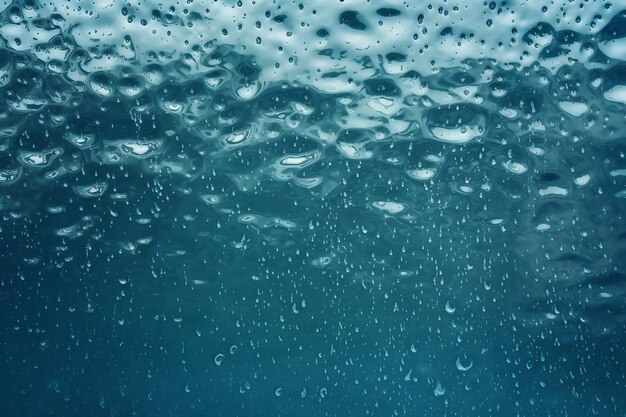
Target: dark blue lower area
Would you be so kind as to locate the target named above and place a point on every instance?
(121, 335)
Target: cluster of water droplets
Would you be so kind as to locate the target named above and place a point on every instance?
(404, 151)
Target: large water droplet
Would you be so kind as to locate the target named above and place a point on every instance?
(219, 358)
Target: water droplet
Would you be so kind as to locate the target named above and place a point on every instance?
(41, 159)
(515, 167)
(9, 176)
(616, 94)
(422, 174)
(102, 84)
(463, 365)
(81, 141)
(390, 207)
(439, 390)
(91, 190)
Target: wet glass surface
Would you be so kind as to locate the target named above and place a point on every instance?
(338, 208)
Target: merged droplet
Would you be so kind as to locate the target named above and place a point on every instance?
(91, 190)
